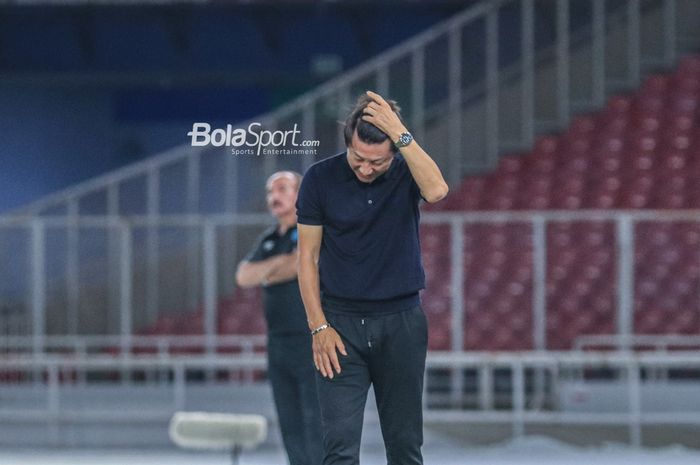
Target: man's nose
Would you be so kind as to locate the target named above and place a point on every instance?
(365, 170)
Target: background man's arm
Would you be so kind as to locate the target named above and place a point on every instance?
(269, 271)
(287, 269)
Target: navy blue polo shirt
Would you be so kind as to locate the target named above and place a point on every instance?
(284, 309)
(370, 252)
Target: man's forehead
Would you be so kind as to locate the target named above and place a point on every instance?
(280, 176)
(370, 155)
(371, 152)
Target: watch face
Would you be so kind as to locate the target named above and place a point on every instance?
(405, 139)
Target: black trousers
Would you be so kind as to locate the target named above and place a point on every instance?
(291, 373)
(388, 352)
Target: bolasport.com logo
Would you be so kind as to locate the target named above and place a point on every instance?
(253, 140)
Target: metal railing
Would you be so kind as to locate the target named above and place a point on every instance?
(658, 342)
(111, 295)
(49, 376)
(629, 365)
(163, 346)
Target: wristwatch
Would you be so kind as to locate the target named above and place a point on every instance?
(404, 139)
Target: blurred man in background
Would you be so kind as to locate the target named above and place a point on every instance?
(272, 264)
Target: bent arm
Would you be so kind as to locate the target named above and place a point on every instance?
(251, 274)
(425, 171)
(309, 281)
(286, 271)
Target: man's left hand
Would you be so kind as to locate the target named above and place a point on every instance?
(379, 113)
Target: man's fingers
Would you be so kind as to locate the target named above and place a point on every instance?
(376, 97)
(334, 361)
(326, 356)
(318, 363)
(326, 368)
(320, 366)
(341, 347)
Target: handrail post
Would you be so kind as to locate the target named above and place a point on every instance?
(193, 197)
(231, 207)
(598, 52)
(309, 131)
(486, 383)
(179, 381)
(454, 128)
(112, 235)
(527, 94)
(53, 402)
(518, 386)
(38, 261)
(633, 42)
(635, 402)
(125, 287)
(457, 307)
(383, 80)
(343, 107)
(670, 32)
(418, 92)
(563, 64)
(625, 275)
(270, 162)
(72, 267)
(210, 284)
(539, 281)
(492, 88)
(152, 241)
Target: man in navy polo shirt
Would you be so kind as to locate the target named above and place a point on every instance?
(360, 272)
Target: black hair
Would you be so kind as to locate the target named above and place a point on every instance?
(366, 131)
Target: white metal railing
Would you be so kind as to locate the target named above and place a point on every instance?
(629, 364)
(630, 367)
(163, 346)
(126, 268)
(658, 342)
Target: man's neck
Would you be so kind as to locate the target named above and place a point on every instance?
(286, 222)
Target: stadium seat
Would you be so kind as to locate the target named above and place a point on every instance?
(641, 151)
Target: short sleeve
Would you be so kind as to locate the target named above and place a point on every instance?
(309, 209)
(416, 196)
(256, 254)
(415, 191)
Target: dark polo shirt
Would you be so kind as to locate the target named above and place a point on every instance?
(370, 259)
(284, 309)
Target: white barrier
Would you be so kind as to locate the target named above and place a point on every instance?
(219, 431)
